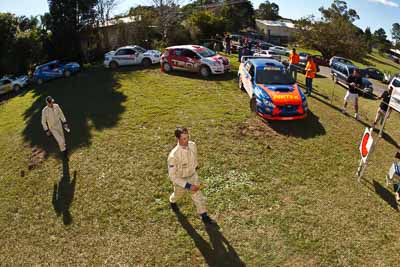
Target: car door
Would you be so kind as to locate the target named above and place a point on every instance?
(178, 59)
(124, 57)
(342, 74)
(50, 71)
(248, 79)
(192, 60)
(5, 86)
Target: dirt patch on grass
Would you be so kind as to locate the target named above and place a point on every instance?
(36, 158)
(255, 127)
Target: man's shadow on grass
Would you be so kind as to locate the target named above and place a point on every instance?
(219, 252)
(63, 194)
(90, 100)
(384, 193)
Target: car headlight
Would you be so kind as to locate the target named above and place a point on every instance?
(268, 103)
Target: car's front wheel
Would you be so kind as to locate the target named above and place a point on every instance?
(253, 104)
(40, 81)
(167, 67)
(16, 88)
(113, 65)
(205, 71)
(67, 73)
(146, 62)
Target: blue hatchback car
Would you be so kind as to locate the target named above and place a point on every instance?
(274, 95)
(54, 69)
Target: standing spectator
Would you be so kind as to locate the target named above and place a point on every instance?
(355, 82)
(383, 107)
(294, 59)
(311, 69)
(228, 44)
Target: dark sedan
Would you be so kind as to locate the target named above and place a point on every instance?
(372, 73)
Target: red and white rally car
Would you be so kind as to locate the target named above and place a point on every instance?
(194, 58)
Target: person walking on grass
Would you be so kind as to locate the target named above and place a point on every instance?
(383, 107)
(294, 59)
(54, 123)
(311, 69)
(354, 84)
(182, 166)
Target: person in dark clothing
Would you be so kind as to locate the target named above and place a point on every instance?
(355, 82)
(228, 44)
(383, 107)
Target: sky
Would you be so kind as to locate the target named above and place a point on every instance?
(373, 13)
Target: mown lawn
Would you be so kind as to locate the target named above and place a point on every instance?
(283, 193)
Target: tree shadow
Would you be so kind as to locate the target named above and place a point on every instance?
(63, 194)
(306, 128)
(128, 69)
(90, 100)
(196, 76)
(219, 252)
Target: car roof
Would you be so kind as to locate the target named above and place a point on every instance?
(49, 63)
(191, 47)
(128, 47)
(345, 64)
(260, 62)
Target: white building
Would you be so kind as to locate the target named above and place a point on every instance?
(279, 31)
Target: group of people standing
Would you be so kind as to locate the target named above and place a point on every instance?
(311, 69)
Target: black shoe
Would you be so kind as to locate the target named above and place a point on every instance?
(208, 221)
(174, 207)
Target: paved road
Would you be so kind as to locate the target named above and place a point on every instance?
(379, 87)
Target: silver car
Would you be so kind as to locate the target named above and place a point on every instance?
(8, 84)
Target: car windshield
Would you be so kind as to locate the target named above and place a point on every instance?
(206, 52)
(303, 54)
(140, 49)
(273, 75)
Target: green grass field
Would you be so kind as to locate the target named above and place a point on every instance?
(283, 193)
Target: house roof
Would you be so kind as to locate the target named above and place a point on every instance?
(277, 23)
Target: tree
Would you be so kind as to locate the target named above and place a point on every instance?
(167, 15)
(368, 39)
(238, 16)
(104, 8)
(339, 9)
(8, 30)
(380, 40)
(268, 11)
(334, 34)
(68, 19)
(204, 24)
(396, 33)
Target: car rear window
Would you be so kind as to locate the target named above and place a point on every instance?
(273, 75)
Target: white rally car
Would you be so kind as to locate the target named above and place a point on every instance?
(8, 84)
(131, 55)
(268, 54)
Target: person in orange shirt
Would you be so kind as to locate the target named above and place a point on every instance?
(294, 59)
(311, 69)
